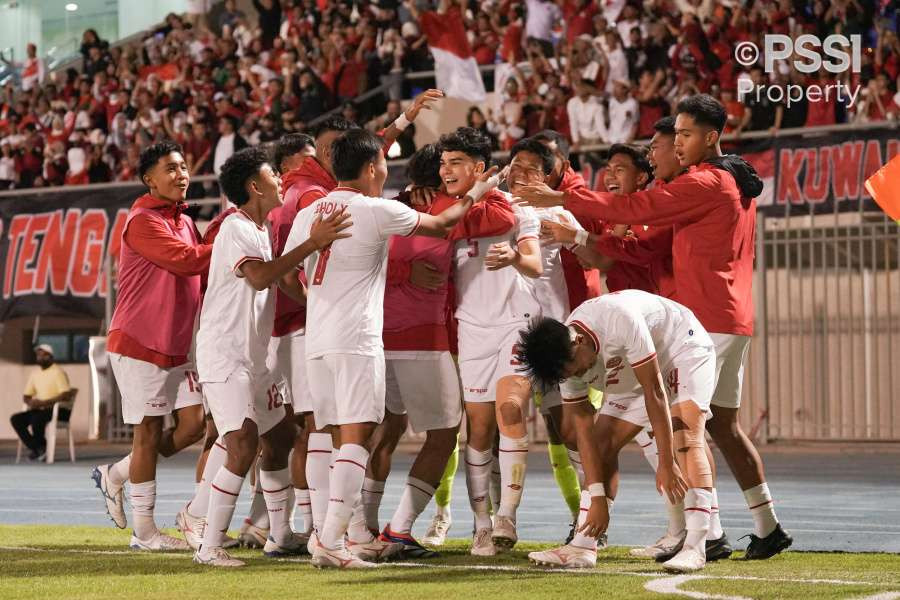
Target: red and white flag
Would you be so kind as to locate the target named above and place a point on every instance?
(456, 71)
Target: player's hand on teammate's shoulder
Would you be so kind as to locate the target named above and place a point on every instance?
(485, 182)
(324, 231)
(539, 195)
(422, 196)
(555, 231)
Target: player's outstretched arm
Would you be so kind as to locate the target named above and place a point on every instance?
(291, 285)
(440, 225)
(668, 476)
(423, 101)
(262, 274)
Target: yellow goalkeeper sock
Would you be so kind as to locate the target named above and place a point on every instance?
(566, 477)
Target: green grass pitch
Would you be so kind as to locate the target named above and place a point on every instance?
(92, 562)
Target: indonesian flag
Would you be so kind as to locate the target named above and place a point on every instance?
(456, 71)
(884, 186)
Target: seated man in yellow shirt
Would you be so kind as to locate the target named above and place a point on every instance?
(46, 386)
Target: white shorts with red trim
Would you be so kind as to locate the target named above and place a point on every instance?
(425, 387)
(260, 398)
(486, 355)
(689, 375)
(151, 391)
(731, 355)
(287, 356)
(550, 399)
(346, 388)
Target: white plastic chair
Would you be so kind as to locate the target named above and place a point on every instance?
(51, 430)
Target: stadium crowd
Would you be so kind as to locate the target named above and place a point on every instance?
(598, 72)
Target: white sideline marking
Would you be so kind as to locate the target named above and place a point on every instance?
(669, 585)
(882, 596)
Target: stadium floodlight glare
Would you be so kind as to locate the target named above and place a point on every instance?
(71, 7)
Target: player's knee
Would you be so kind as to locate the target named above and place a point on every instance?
(513, 392)
(690, 446)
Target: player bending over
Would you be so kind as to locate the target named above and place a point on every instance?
(656, 365)
(345, 310)
(246, 399)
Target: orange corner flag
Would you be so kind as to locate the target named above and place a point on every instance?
(884, 186)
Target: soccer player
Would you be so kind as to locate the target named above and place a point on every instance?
(648, 353)
(159, 266)
(495, 298)
(422, 383)
(344, 349)
(712, 210)
(246, 399)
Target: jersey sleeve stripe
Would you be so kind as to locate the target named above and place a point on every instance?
(590, 332)
(244, 259)
(416, 228)
(574, 400)
(643, 361)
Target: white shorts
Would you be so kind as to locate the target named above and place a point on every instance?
(287, 356)
(486, 355)
(731, 355)
(550, 399)
(689, 375)
(260, 398)
(426, 388)
(151, 391)
(346, 388)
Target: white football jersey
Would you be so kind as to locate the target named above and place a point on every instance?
(551, 288)
(630, 328)
(495, 298)
(345, 298)
(235, 320)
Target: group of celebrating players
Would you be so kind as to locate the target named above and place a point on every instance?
(314, 321)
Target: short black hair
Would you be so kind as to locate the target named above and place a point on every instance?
(665, 126)
(151, 155)
(470, 142)
(637, 154)
(352, 151)
(290, 145)
(423, 168)
(544, 349)
(238, 169)
(705, 110)
(548, 136)
(537, 148)
(333, 123)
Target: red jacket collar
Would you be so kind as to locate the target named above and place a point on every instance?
(170, 210)
(312, 170)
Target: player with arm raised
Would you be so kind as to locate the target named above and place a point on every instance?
(656, 364)
(713, 214)
(345, 310)
(246, 399)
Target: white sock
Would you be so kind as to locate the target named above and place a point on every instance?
(372, 492)
(358, 530)
(443, 511)
(575, 459)
(318, 463)
(303, 505)
(581, 540)
(118, 472)
(676, 517)
(226, 487)
(496, 481)
(648, 447)
(215, 460)
(759, 501)
(346, 488)
(259, 514)
(143, 499)
(715, 524)
(415, 498)
(276, 486)
(513, 462)
(478, 475)
(697, 502)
